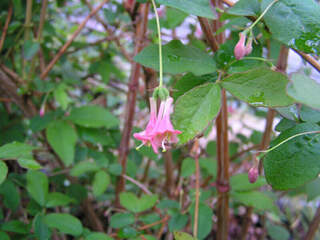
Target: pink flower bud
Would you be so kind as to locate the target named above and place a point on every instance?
(249, 46)
(42, 110)
(240, 49)
(253, 174)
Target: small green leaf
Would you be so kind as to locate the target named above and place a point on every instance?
(240, 183)
(245, 8)
(131, 202)
(188, 167)
(28, 162)
(93, 116)
(98, 236)
(65, 223)
(177, 58)
(177, 221)
(304, 90)
(204, 219)
(38, 186)
(120, 220)
(296, 161)
(56, 199)
(100, 183)
(41, 229)
(62, 138)
(83, 167)
(15, 226)
(3, 171)
(258, 200)
(260, 87)
(11, 196)
(195, 109)
(15, 150)
(277, 232)
(183, 236)
(4, 236)
(199, 8)
(61, 96)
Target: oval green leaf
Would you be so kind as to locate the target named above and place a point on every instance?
(65, 223)
(195, 109)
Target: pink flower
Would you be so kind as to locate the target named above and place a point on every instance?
(240, 49)
(159, 130)
(253, 174)
(42, 110)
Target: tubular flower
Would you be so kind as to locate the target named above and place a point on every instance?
(248, 46)
(240, 49)
(159, 130)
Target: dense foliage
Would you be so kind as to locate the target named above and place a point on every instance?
(241, 159)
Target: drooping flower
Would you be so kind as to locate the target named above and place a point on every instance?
(42, 110)
(145, 136)
(240, 49)
(159, 130)
(253, 174)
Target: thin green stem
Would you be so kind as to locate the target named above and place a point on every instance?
(160, 44)
(260, 17)
(286, 140)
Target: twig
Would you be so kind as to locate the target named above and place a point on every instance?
(5, 28)
(309, 59)
(165, 219)
(239, 154)
(131, 97)
(68, 43)
(12, 74)
(140, 185)
(169, 183)
(206, 28)
(314, 226)
(112, 35)
(42, 19)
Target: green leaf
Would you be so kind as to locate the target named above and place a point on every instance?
(277, 232)
(295, 23)
(62, 138)
(174, 18)
(245, 8)
(312, 189)
(10, 194)
(98, 236)
(83, 167)
(304, 90)
(15, 150)
(120, 220)
(189, 81)
(56, 199)
(204, 219)
(4, 236)
(295, 162)
(182, 236)
(240, 183)
(93, 116)
(260, 87)
(131, 202)
(30, 48)
(188, 167)
(61, 96)
(258, 200)
(195, 109)
(41, 229)
(177, 58)
(38, 186)
(65, 223)
(201, 8)
(3, 171)
(308, 114)
(15, 226)
(100, 183)
(28, 162)
(177, 221)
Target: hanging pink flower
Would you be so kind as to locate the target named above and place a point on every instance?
(159, 130)
(240, 49)
(248, 46)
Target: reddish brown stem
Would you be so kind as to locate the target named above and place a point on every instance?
(5, 28)
(314, 226)
(207, 30)
(68, 43)
(131, 97)
(169, 184)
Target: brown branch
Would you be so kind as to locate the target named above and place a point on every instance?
(68, 43)
(5, 28)
(131, 97)
(42, 19)
(12, 74)
(94, 221)
(239, 154)
(164, 220)
(314, 226)
(209, 34)
(140, 185)
(309, 59)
